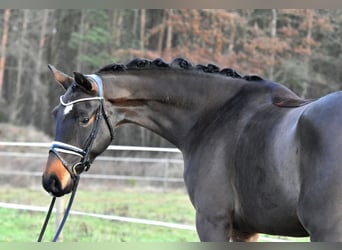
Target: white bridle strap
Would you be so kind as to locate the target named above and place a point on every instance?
(67, 148)
(99, 83)
(79, 100)
(65, 151)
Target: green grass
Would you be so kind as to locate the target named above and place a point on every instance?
(24, 226)
(20, 226)
(173, 206)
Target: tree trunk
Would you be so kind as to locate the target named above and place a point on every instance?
(15, 104)
(161, 34)
(273, 36)
(168, 45)
(38, 90)
(80, 47)
(232, 38)
(307, 56)
(7, 14)
(116, 31)
(135, 27)
(142, 28)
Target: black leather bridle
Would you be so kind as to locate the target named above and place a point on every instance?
(75, 170)
(61, 147)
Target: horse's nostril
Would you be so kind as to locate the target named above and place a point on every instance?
(52, 184)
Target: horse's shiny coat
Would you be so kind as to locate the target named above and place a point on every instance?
(257, 158)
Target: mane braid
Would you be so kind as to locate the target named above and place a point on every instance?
(178, 63)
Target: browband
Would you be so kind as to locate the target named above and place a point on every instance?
(99, 83)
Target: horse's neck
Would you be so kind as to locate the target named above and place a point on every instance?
(167, 103)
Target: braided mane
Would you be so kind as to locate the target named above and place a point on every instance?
(178, 63)
(281, 96)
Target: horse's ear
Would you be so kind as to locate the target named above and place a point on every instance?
(84, 82)
(60, 77)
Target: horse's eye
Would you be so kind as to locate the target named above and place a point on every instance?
(84, 120)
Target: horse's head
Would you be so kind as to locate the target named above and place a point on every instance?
(82, 131)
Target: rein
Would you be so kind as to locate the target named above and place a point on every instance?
(66, 214)
(75, 171)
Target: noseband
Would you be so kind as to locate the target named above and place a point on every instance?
(58, 147)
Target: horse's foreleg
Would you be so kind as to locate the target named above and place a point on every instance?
(212, 196)
(320, 207)
(321, 218)
(213, 228)
(240, 236)
(217, 229)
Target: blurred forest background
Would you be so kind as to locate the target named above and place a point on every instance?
(301, 49)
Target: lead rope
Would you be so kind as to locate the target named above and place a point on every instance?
(66, 213)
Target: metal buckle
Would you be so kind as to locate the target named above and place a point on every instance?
(74, 168)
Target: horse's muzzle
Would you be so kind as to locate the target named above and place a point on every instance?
(56, 179)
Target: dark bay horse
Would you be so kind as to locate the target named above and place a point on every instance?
(257, 158)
